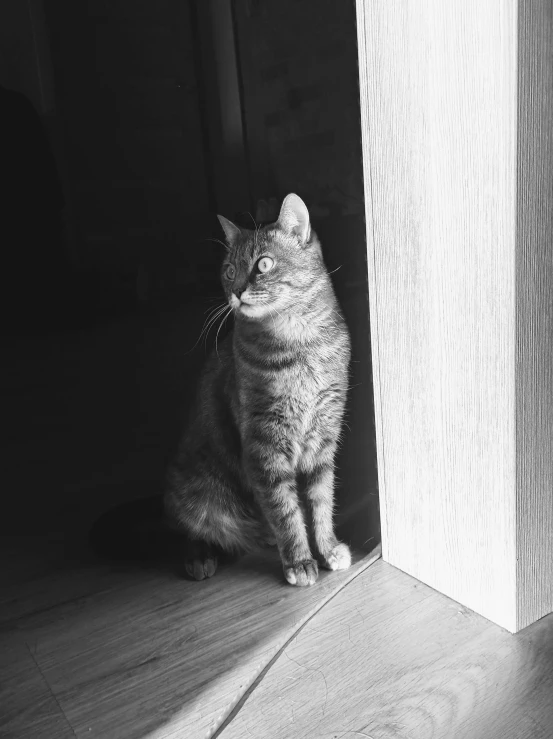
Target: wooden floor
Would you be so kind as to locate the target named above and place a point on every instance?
(103, 653)
(366, 653)
(390, 657)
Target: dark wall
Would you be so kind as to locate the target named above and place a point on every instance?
(132, 88)
(127, 92)
(301, 100)
(33, 245)
(24, 64)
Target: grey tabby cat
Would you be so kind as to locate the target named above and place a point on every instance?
(257, 460)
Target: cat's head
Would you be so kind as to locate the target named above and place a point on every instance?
(272, 269)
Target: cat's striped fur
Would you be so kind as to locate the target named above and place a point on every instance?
(257, 459)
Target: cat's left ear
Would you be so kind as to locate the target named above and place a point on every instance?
(294, 218)
(232, 232)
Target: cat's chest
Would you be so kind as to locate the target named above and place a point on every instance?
(289, 378)
(295, 388)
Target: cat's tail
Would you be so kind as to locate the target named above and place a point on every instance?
(135, 532)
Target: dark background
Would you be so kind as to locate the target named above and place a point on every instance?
(155, 115)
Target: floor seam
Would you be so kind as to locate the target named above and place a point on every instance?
(237, 707)
(54, 696)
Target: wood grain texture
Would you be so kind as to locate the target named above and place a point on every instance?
(28, 707)
(391, 658)
(462, 365)
(534, 312)
(145, 654)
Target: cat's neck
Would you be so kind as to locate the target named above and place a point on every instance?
(292, 327)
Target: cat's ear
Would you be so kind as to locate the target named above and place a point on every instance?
(294, 218)
(232, 232)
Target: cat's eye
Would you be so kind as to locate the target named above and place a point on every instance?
(230, 272)
(265, 264)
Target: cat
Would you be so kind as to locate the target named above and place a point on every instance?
(255, 465)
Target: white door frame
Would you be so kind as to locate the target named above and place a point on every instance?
(457, 124)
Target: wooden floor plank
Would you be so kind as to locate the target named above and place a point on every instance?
(390, 657)
(27, 706)
(163, 657)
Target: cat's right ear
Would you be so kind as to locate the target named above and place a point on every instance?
(232, 232)
(294, 218)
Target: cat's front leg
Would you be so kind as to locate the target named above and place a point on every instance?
(319, 491)
(273, 481)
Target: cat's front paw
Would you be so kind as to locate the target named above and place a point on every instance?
(301, 573)
(338, 558)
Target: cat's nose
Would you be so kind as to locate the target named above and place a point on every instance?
(239, 290)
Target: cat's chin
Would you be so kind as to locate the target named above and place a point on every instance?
(249, 310)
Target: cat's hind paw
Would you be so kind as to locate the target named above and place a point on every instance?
(339, 558)
(302, 573)
(200, 560)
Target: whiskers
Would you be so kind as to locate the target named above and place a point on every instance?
(271, 310)
(223, 319)
(218, 241)
(255, 227)
(219, 312)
